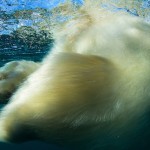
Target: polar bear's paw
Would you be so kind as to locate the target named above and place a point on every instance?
(12, 75)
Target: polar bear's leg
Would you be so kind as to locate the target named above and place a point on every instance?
(72, 91)
(12, 74)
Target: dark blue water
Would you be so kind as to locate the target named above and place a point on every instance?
(29, 145)
(12, 48)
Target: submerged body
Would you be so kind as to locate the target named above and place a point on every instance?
(93, 88)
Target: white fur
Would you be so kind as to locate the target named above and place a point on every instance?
(98, 73)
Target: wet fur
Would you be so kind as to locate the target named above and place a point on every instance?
(93, 86)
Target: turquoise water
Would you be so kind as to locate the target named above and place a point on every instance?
(29, 145)
(11, 49)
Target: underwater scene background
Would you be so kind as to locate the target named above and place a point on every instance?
(24, 35)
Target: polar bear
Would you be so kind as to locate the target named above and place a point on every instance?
(90, 92)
